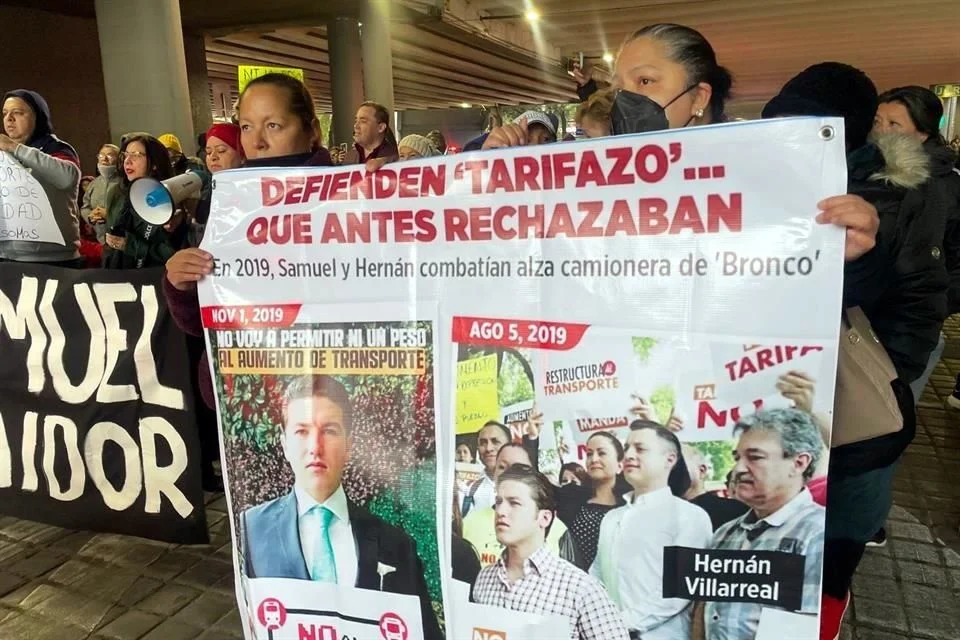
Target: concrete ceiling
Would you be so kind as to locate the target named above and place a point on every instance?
(439, 61)
(485, 51)
(437, 64)
(765, 42)
(447, 52)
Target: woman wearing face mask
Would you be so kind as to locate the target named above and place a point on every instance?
(28, 136)
(94, 209)
(668, 77)
(132, 242)
(916, 112)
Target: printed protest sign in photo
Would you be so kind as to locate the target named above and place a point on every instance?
(615, 329)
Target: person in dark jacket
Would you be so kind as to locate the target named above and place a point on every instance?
(28, 136)
(132, 242)
(374, 143)
(901, 286)
(916, 112)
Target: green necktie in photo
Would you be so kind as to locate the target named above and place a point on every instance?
(324, 567)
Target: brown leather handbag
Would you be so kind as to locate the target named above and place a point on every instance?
(865, 405)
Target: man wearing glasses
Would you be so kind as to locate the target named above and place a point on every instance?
(94, 200)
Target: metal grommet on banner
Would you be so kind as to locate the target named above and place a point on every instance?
(854, 338)
(827, 133)
(935, 252)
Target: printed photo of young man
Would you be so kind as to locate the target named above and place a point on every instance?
(315, 532)
(531, 579)
(630, 554)
(776, 454)
(479, 526)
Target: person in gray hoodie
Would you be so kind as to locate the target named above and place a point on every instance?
(28, 136)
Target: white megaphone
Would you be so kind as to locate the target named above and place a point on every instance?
(156, 202)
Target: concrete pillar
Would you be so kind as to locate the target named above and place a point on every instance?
(951, 123)
(377, 57)
(346, 76)
(195, 52)
(144, 68)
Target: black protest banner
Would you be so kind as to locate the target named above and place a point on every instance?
(97, 429)
(772, 578)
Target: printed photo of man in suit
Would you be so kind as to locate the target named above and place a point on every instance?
(315, 532)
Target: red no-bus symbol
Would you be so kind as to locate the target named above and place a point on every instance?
(272, 614)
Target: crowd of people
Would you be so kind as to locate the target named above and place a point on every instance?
(902, 269)
(602, 516)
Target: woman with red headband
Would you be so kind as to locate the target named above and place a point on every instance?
(223, 150)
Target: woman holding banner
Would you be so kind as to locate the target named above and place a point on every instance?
(278, 128)
(667, 77)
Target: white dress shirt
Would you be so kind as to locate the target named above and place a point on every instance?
(629, 560)
(484, 496)
(341, 534)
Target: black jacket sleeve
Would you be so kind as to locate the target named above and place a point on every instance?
(951, 242)
(532, 447)
(865, 278)
(587, 90)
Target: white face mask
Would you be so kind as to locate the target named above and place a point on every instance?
(108, 171)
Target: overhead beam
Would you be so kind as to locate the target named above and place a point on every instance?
(469, 62)
(214, 18)
(261, 57)
(839, 17)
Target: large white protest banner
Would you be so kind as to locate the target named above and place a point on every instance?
(574, 308)
(25, 212)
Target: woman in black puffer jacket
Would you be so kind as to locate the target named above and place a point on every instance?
(916, 112)
(901, 285)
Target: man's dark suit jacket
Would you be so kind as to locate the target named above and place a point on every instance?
(270, 537)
